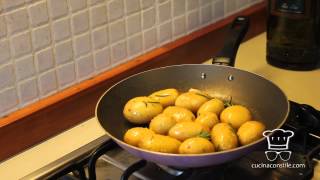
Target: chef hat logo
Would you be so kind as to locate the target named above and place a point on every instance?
(278, 139)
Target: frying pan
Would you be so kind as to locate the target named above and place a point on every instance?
(264, 99)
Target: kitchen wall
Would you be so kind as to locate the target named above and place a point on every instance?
(49, 45)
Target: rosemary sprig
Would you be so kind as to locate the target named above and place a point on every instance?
(151, 102)
(228, 103)
(162, 95)
(205, 135)
(154, 102)
(203, 95)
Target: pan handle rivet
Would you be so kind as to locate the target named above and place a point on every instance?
(203, 75)
(230, 78)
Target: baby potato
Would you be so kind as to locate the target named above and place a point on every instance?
(166, 97)
(196, 145)
(140, 110)
(250, 131)
(185, 130)
(214, 105)
(179, 114)
(160, 143)
(161, 124)
(134, 135)
(235, 115)
(191, 101)
(208, 119)
(223, 137)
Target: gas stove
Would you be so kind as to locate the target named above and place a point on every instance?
(103, 159)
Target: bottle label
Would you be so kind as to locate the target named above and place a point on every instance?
(291, 6)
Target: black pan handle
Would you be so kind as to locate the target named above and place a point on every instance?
(237, 32)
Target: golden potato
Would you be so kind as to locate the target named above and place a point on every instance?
(214, 105)
(185, 130)
(191, 101)
(140, 110)
(250, 131)
(161, 124)
(196, 145)
(134, 135)
(179, 114)
(208, 119)
(166, 97)
(223, 137)
(160, 143)
(235, 115)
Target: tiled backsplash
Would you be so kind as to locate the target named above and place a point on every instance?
(48, 45)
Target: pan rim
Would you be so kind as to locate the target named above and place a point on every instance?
(118, 141)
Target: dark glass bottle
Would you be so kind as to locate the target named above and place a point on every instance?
(293, 33)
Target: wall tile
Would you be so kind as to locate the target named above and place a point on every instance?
(8, 99)
(4, 52)
(63, 52)
(66, 74)
(119, 52)
(21, 44)
(80, 22)
(17, 21)
(7, 76)
(57, 8)
(98, 15)
(3, 27)
(134, 24)
(242, 3)
(93, 2)
(9, 4)
(165, 32)
(115, 9)
(161, 1)
(218, 9)
(76, 5)
(193, 20)
(179, 7)
(192, 4)
(25, 68)
(99, 38)
(85, 67)
(102, 59)
(44, 60)
(48, 83)
(147, 3)
(38, 14)
(49, 45)
(41, 37)
(61, 29)
(149, 18)
(82, 45)
(164, 12)
(28, 91)
(179, 26)
(205, 2)
(117, 31)
(230, 6)
(206, 14)
(132, 6)
(135, 45)
(150, 39)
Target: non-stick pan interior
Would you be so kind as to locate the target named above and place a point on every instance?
(263, 98)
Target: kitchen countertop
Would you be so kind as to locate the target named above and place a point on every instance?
(299, 86)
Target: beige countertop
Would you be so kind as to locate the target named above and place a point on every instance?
(302, 87)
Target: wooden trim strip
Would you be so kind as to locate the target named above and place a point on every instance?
(41, 104)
